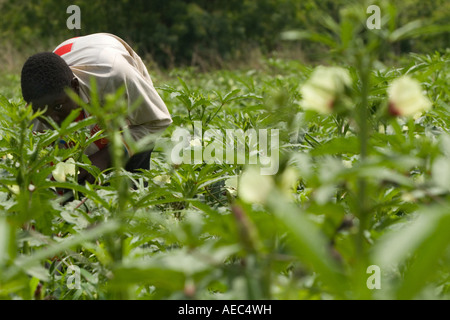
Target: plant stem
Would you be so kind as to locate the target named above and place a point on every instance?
(364, 70)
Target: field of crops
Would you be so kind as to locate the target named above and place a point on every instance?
(335, 185)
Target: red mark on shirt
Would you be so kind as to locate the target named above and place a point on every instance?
(64, 49)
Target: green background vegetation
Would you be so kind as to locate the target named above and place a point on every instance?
(199, 32)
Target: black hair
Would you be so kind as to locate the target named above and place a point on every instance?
(43, 74)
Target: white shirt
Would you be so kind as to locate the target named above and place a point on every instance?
(113, 63)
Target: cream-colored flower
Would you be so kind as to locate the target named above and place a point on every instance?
(320, 92)
(254, 187)
(406, 97)
(161, 179)
(195, 142)
(231, 184)
(8, 156)
(14, 189)
(289, 180)
(347, 163)
(64, 169)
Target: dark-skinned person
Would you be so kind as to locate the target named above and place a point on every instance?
(112, 63)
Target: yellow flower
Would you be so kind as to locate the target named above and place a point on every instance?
(195, 142)
(231, 185)
(64, 169)
(14, 189)
(289, 180)
(161, 179)
(322, 89)
(406, 97)
(254, 187)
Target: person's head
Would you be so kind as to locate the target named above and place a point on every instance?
(44, 79)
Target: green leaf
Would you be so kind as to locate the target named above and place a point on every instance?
(415, 29)
(417, 247)
(76, 187)
(186, 88)
(70, 118)
(340, 145)
(308, 243)
(29, 263)
(7, 243)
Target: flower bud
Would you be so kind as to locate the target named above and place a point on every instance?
(254, 187)
(63, 169)
(161, 179)
(406, 97)
(323, 88)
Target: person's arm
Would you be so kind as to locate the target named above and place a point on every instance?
(101, 159)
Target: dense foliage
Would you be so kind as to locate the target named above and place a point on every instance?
(202, 31)
(363, 185)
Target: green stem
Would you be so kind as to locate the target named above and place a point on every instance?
(365, 67)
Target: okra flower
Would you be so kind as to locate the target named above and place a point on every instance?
(288, 180)
(254, 187)
(195, 142)
(323, 88)
(64, 169)
(161, 179)
(406, 97)
(231, 185)
(14, 189)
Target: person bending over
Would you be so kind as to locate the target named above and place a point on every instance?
(112, 63)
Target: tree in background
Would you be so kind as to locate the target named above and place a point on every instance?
(178, 32)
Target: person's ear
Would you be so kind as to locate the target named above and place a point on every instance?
(75, 85)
